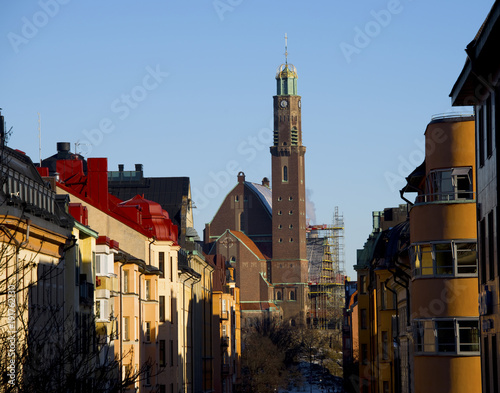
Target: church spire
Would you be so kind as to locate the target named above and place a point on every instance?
(286, 76)
(286, 49)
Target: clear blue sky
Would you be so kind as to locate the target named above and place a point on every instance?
(185, 88)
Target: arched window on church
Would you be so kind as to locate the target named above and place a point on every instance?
(285, 173)
(292, 295)
(278, 295)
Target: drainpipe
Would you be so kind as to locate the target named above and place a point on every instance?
(121, 322)
(395, 294)
(195, 281)
(140, 320)
(153, 239)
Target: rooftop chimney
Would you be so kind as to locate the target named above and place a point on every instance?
(2, 130)
(63, 150)
(265, 182)
(138, 167)
(120, 167)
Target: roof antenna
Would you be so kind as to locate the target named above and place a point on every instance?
(40, 138)
(286, 49)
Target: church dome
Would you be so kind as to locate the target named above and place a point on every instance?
(286, 71)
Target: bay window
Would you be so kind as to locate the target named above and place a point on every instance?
(444, 258)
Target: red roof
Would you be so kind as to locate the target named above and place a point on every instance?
(144, 216)
(249, 243)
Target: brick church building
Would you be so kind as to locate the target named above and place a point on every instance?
(261, 231)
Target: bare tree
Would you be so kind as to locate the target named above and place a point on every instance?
(43, 348)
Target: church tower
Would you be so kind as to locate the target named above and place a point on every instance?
(289, 266)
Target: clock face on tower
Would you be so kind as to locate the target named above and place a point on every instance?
(284, 103)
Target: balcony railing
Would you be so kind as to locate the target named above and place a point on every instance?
(456, 196)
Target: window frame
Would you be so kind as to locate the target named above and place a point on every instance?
(436, 184)
(429, 336)
(431, 249)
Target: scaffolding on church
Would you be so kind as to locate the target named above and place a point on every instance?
(325, 252)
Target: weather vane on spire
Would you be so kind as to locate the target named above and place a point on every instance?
(286, 49)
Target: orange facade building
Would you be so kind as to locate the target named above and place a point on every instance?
(443, 294)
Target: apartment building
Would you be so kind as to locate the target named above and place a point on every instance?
(478, 86)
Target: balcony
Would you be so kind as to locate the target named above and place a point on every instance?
(449, 197)
(86, 291)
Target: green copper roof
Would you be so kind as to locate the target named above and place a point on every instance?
(286, 80)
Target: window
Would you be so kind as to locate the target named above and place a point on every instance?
(364, 320)
(285, 173)
(101, 309)
(126, 326)
(292, 294)
(125, 281)
(486, 368)
(291, 240)
(482, 249)
(290, 212)
(449, 185)
(278, 295)
(148, 289)
(491, 246)
(236, 198)
(242, 222)
(362, 284)
(480, 133)
(171, 269)
(98, 269)
(224, 309)
(162, 308)
(489, 126)
(163, 353)
(161, 263)
(148, 331)
(445, 336)
(172, 308)
(290, 226)
(385, 345)
(280, 240)
(448, 258)
(364, 353)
